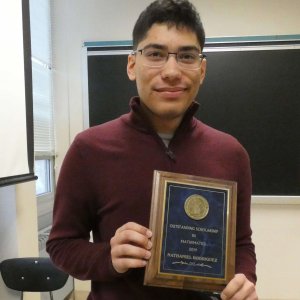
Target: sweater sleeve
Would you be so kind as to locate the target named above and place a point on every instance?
(69, 243)
(245, 250)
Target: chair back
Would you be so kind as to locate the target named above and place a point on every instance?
(32, 274)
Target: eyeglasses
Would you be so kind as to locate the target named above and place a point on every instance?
(157, 58)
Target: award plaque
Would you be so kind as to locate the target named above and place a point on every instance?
(193, 221)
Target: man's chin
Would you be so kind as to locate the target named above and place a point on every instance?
(169, 114)
(166, 111)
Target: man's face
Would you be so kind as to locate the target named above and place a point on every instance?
(168, 91)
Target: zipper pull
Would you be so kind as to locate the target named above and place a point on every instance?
(170, 154)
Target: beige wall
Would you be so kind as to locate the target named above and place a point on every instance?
(276, 226)
(27, 225)
(276, 235)
(19, 233)
(255, 17)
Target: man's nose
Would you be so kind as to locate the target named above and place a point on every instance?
(171, 69)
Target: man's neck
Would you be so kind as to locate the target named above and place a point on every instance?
(160, 125)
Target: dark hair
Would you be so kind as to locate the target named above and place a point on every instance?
(179, 13)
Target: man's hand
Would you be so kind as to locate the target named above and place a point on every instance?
(130, 247)
(239, 288)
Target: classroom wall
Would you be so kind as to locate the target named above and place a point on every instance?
(8, 231)
(275, 226)
(18, 228)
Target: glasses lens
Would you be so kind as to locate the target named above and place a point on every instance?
(189, 59)
(154, 57)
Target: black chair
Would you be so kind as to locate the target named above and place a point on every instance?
(32, 274)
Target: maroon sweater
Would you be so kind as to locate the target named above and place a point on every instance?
(106, 181)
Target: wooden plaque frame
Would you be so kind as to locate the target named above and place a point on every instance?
(155, 273)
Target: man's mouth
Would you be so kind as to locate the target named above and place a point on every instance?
(169, 89)
(170, 92)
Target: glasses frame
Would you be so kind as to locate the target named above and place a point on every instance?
(201, 56)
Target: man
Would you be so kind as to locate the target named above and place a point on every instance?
(105, 182)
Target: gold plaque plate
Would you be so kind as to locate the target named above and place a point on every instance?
(196, 207)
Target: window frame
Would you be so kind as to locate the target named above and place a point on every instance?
(45, 201)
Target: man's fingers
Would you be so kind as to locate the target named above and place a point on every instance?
(122, 265)
(135, 227)
(239, 288)
(130, 247)
(132, 233)
(126, 250)
(128, 256)
(233, 286)
(131, 237)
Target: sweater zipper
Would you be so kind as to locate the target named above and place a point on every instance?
(170, 154)
(166, 149)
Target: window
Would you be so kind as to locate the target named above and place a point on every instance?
(44, 147)
(43, 168)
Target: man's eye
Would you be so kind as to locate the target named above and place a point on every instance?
(187, 57)
(154, 54)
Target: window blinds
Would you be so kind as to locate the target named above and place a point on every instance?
(40, 18)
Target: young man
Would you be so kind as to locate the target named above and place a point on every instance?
(105, 182)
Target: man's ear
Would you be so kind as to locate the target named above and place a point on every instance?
(131, 67)
(203, 70)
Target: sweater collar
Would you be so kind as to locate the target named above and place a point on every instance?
(139, 120)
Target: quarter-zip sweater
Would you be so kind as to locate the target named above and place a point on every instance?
(106, 181)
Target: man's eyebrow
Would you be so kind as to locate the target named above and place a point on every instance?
(156, 46)
(163, 47)
(189, 48)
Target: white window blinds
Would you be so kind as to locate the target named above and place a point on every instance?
(40, 17)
